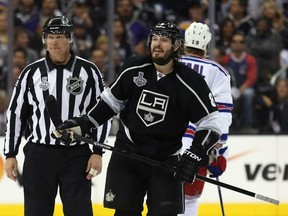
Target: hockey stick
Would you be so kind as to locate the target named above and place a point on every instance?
(220, 197)
(51, 104)
(214, 159)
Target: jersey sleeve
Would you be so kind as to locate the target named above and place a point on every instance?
(204, 113)
(17, 116)
(221, 90)
(102, 131)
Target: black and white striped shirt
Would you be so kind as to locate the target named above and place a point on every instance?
(76, 87)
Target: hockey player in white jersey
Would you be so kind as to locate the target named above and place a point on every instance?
(197, 38)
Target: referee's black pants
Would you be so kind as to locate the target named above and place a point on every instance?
(47, 168)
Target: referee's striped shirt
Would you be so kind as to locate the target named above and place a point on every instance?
(76, 87)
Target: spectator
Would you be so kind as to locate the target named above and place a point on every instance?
(121, 45)
(3, 38)
(265, 46)
(81, 13)
(222, 9)
(136, 29)
(279, 120)
(20, 57)
(225, 33)
(217, 55)
(283, 71)
(238, 13)
(15, 5)
(3, 108)
(102, 43)
(151, 12)
(274, 14)
(284, 53)
(82, 39)
(255, 7)
(28, 13)
(16, 71)
(196, 13)
(273, 103)
(98, 13)
(243, 69)
(99, 59)
(19, 61)
(22, 40)
(48, 9)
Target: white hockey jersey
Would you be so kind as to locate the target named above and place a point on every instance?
(218, 80)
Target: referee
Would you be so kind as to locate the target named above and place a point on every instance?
(76, 84)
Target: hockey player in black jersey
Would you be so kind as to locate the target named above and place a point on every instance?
(156, 97)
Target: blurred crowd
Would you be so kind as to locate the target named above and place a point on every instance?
(251, 41)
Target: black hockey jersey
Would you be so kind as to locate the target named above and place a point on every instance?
(155, 113)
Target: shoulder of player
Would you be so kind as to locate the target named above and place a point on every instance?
(85, 62)
(34, 66)
(212, 65)
(187, 75)
(136, 64)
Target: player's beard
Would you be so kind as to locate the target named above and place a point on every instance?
(162, 60)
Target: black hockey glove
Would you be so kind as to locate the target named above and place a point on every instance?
(190, 162)
(79, 125)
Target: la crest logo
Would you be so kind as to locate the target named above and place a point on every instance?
(152, 107)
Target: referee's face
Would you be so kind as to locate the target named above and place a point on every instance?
(58, 46)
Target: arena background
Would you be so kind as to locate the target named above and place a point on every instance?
(256, 163)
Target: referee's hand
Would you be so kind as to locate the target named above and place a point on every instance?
(11, 168)
(94, 166)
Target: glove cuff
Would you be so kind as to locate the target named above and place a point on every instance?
(85, 124)
(198, 156)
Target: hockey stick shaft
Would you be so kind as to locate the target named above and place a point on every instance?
(220, 197)
(214, 159)
(173, 169)
(55, 117)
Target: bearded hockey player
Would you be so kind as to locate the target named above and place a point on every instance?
(156, 96)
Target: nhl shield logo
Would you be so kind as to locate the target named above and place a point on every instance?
(152, 107)
(74, 85)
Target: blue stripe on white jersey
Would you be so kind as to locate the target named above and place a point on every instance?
(224, 107)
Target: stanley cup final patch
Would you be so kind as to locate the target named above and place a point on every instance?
(140, 80)
(74, 85)
(44, 85)
(152, 107)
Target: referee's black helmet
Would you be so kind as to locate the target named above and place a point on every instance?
(58, 25)
(166, 29)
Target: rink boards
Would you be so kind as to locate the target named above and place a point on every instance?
(256, 163)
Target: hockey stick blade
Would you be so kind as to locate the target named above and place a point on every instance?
(51, 104)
